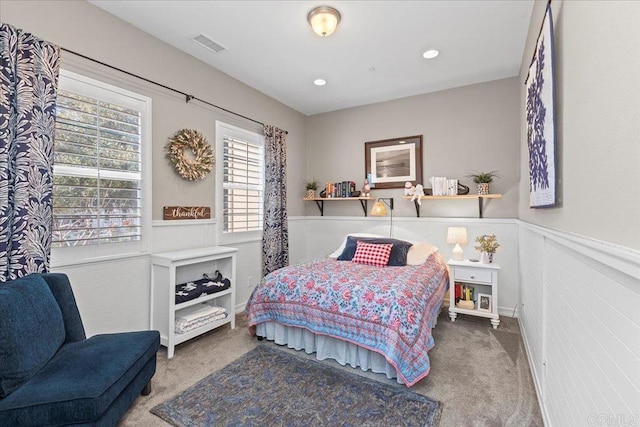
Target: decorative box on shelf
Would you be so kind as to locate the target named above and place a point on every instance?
(481, 284)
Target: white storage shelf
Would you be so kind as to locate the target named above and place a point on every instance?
(484, 278)
(172, 268)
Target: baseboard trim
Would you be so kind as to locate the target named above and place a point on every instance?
(508, 311)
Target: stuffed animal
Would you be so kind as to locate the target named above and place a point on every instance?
(409, 188)
(366, 189)
(417, 194)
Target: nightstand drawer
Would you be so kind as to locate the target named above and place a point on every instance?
(475, 274)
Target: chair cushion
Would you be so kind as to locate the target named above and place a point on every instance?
(31, 330)
(79, 384)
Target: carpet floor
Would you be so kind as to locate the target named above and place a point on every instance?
(480, 375)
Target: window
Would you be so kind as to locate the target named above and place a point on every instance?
(98, 164)
(242, 176)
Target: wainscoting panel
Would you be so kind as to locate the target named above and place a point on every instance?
(532, 292)
(113, 295)
(589, 339)
(169, 236)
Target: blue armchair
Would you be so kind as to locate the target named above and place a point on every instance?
(51, 374)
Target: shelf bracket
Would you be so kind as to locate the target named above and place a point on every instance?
(320, 204)
(415, 202)
(363, 203)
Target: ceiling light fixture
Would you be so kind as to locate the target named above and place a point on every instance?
(319, 82)
(430, 54)
(324, 20)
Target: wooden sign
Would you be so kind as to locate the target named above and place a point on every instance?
(186, 212)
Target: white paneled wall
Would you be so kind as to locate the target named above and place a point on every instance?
(112, 296)
(531, 291)
(169, 236)
(581, 324)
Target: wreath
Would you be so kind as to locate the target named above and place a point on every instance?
(191, 169)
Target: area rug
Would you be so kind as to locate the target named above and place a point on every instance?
(268, 387)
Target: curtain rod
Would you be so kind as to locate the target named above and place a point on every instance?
(187, 96)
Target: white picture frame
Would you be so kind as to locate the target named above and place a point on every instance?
(484, 303)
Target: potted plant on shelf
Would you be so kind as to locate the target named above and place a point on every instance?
(483, 179)
(311, 187)
(487, 246)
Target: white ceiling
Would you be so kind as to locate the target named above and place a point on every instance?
(375, 54)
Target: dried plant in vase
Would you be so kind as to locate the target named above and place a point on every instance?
(487, 244)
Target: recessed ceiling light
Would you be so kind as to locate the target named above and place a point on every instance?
(319, 82)
(430, 54)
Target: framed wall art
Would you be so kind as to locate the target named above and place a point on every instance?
(540, 120)
(392, 162)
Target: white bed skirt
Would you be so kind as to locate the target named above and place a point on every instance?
(327, 348)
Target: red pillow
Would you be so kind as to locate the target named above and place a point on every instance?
(372, 254)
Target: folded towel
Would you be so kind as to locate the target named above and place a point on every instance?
(182, 326)
(198, 310)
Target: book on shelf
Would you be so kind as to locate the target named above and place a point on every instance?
(340, 189)
(443, 186)
(462, 291)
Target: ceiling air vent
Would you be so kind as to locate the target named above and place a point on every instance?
(208, 43)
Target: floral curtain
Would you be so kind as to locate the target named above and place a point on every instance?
(28, 84)
(275, 234)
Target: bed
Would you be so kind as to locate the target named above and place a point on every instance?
(378, 318)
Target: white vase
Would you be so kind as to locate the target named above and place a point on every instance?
(484, 258)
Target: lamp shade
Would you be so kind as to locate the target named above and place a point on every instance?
(457, 235)
(324, 20)
(379, 209)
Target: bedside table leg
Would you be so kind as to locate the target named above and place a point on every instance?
(495, 323)
(453, 315)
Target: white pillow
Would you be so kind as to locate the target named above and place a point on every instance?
(420, 252)
(337, 252)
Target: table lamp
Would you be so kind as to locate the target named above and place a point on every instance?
(457, 235)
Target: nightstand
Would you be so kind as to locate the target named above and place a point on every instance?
(483, 278)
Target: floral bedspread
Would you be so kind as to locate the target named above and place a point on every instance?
(390, 310)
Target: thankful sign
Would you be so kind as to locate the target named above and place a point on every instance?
(186, 212)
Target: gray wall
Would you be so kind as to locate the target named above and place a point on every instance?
(464, 129)
(81, 27)
(597, 120)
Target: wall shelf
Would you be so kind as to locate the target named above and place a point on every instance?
(480, 198)
(320, 202)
